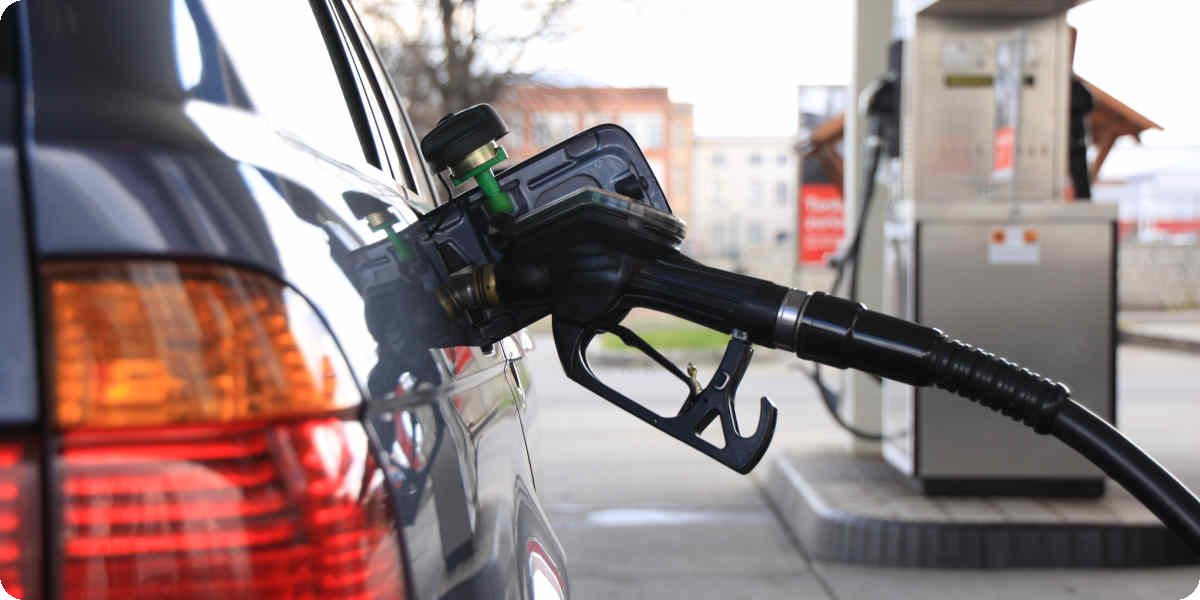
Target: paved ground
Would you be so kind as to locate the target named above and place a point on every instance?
(643, 516)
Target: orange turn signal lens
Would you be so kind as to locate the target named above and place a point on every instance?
(146, 343)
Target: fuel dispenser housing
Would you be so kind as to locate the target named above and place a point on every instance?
(983, 240)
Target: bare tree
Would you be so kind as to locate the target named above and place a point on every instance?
(442, 58)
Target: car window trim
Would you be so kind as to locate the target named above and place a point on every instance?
(334, 48)
(364, 87)
(398, 119)
(386, 128)
(352, 87)
(436, 187)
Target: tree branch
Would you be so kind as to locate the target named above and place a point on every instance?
(447, 58)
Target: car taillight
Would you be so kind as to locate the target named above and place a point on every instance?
(20, 527)
(209, 446)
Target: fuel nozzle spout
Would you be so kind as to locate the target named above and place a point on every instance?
(492, 285)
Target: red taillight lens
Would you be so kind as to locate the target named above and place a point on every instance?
(20, 527)
(207, 450)
(274, 511)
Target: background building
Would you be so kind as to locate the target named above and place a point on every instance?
(541, 116)
(744, 209)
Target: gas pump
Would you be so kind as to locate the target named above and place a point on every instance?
(983, 240)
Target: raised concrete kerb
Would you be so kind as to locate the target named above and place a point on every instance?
(1151, 339)
(847, 509)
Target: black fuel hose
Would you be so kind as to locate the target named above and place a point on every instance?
(598, 281)
(1141, 475)
(841, 333)
(844, 334)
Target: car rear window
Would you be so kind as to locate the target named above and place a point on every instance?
(283, 63)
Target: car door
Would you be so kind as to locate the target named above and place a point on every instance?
(484, 534)
(176, 134)
(244, 134)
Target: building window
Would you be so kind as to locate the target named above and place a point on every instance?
(756, 193)
(781, 193)
(718, 192)
(782, 237)
(646, 128)
(718, 159)
(756, 159)
(549, 128)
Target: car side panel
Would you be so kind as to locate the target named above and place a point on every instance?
(502, 470)
(125, 163)
(18, 373)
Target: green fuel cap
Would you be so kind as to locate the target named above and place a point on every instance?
(465, 142)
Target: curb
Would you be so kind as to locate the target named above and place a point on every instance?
(1161, 342)
(833, 529)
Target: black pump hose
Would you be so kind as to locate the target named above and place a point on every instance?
(845, 334)
(1047, 407)
(604, 281)
(1141, 475)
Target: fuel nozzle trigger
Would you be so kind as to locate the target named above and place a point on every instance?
(699, 409)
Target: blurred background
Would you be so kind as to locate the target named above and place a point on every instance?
(751, 117)
(723, 99)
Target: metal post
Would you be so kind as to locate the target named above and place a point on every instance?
(862, 399)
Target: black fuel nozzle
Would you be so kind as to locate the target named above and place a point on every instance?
(493, 285)
(593, 256)
(1082, 103)
(466, 143)
(880, 102)
(589, 258)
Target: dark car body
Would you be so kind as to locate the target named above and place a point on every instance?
(230, 133)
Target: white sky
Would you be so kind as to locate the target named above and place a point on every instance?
(740, 64)
(1143, 53)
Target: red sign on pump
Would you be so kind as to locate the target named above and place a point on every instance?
(1002, 152)
(821, 225)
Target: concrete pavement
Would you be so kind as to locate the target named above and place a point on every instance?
(643, 516)
(1167, 330)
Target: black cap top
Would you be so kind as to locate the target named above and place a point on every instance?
(460, 133)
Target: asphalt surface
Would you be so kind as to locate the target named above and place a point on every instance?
(643, 516)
